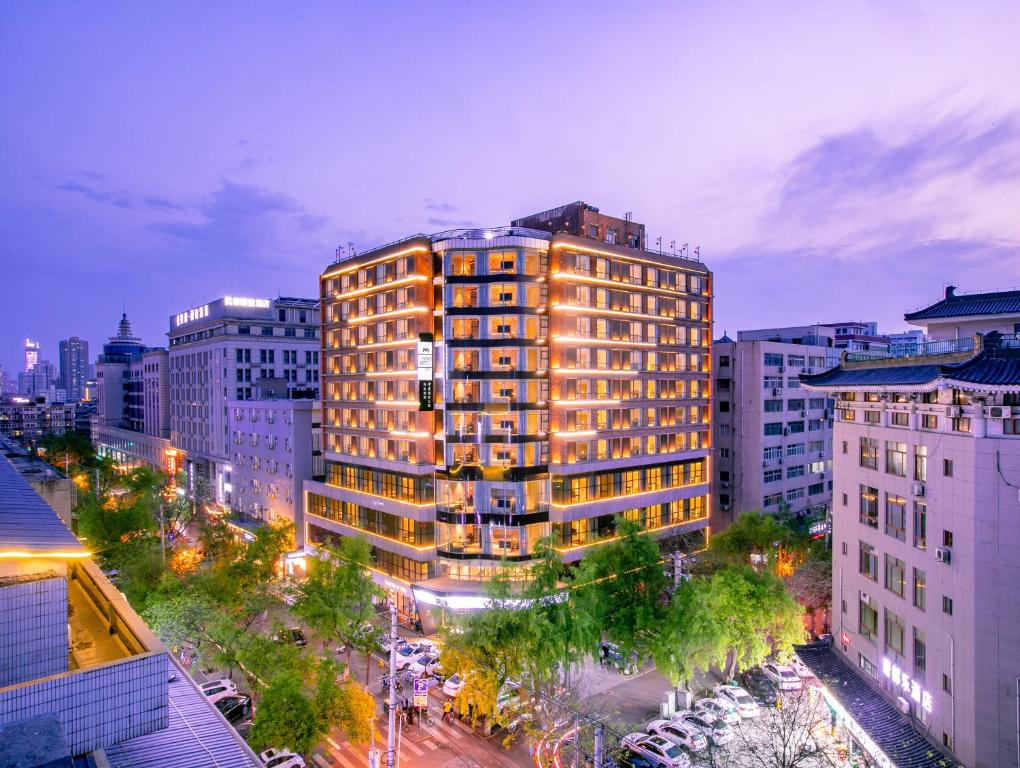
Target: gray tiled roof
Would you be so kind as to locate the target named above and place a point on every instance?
(890, 730)
(1002, 303)
(197, 737)
(27, 523)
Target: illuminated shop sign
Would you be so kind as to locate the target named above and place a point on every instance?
(191, 315)
(240, 301)
(426, 398)
(910, 688)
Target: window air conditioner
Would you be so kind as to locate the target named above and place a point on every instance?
(918, 489)
(782, 369)
(865, 597)
(954, 411)
(944, 555)
(996, 412)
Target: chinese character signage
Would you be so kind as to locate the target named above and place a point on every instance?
(910, 688)
(426, 396)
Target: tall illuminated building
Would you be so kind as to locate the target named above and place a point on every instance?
(31, 354)
(485, 389)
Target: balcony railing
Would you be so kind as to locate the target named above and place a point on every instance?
(922, 349)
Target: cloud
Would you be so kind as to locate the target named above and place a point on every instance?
(452, 223)
(440, 207)
(116, 199)
(162, 203)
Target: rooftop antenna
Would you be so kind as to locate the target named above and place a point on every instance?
(350, 248)
(683, 251)
(628, 216)
(697, 252)
(658, 242)
(339, 252)
(672, 246)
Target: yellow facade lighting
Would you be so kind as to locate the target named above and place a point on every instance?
(613, 312)
(399, 433)
(384, 315)
(396, 403)
(600, 371)
(387, 257)
(585, 402)
(384, 344)
(380, 287)
(579, 433)
(616, 283)
(20, 554)
(628, 257)
(390, 373)
(594, 340)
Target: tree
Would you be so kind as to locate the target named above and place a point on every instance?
(105, 521)
(757, 534)
(757, 616)
(285, 717)
(617, 589)
(72, 452)
(691, 639)
(336, 599)
(347, 706)
(180, 617)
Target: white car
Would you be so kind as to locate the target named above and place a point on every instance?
(281, 758)
(218, 689)
(785, 678)
(453, 685)
(426, 664)
(657, 749)
(746, 706)
(802, 670)
(723, 709)
(715, 729)
(681, 733)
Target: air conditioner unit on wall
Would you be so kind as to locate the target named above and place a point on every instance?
(918, 489)
(944, 555)
(996, 412)
(865, 597)
(954, 411)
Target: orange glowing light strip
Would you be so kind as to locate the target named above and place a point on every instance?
(24, 555)
(400, 403)
(415, 547)
(391, 313)
(615, 283)
(381, 344)
(640, 533)
(586, 402)
(579, 433)
(600, 371)
(387, 257)
(582, 340)
(420, 505)
(380, 286)
(615, 313)
(630, 495)
(391, 373)
(399, 433)
(628, 257)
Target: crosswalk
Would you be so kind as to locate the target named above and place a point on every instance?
(414, 749)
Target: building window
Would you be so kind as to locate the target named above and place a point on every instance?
(611, 235)
(895, 575)
(920, 651)
(929, 421)
(921, 463)
(244, 330)
(772, 500)
(868, 625)
(947, 605)
(947, 467)
(961, 424)
(869, 506)
(872, 417)
(893, 632)
(920, 524)
(844, 447)
(865, 663)
(896, 517)
(724, 361)
(267, 330)
(947, 686)
(896, 458)
(920, 586)
(773, 406)
(773, 360)
(947, 538)
(724, 406)
(869, 452)
(900, 419)
(772, 475)
(868, 561)
(773, 428)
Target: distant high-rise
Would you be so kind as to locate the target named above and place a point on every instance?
(31, 354)
(74, 367)
(40, 381)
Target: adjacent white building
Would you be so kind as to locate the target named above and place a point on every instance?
(219, 353)
(773, 439)
(275, 447)
(926, 526)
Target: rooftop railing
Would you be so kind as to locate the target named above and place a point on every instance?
(922, 349)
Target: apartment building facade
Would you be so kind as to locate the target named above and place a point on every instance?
(74, 367)
(484, 389)
(926, 538)
(773, 440)
(132, 420)
(224, 351)
(276, 446)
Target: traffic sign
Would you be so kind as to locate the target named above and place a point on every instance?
(421, 693)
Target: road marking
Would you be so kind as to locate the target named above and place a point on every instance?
(411, 746)
(332, 743)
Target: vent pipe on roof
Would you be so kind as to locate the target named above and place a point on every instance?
(950, 291)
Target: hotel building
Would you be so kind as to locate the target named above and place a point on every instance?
(926, 527)
(485, 389)
(226, 351)
(773, 440)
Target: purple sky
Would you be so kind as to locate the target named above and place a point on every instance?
(832, 163)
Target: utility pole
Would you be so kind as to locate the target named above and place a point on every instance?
(390, 752)
(577, 742)
(599, 733)
(162, 533)
(678, 567)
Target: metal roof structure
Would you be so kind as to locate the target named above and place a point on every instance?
(28, 525)
(887, 727)
(198, 736)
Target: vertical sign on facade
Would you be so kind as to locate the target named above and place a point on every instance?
(426, 401)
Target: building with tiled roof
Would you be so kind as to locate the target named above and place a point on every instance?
(926, 528)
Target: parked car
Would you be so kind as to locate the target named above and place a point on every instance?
(218, 689)
(292, 635)
(611, 655)
(783, 676)
(746, 706)
(679, 732)
(661, 751)
(425, 665)
(723, 709)
(453, 685)
(802, 670)
(629, 759)
(234, 708)
(714, 729)
(761, 687)
(281, 758)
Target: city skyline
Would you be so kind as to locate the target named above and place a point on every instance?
(898, 150)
